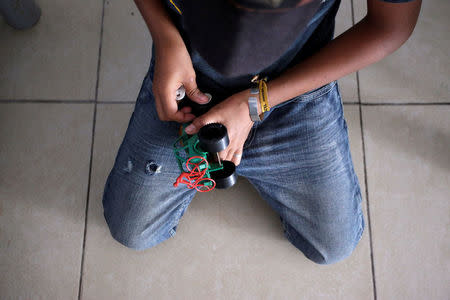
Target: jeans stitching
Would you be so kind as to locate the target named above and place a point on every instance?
(250, 138)
(361, 227)
(184, 205)
(312, 96)
(320, 92)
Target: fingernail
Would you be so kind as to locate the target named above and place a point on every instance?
(204, 98)
(190, 129)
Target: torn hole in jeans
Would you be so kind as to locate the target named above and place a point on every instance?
(151, 167)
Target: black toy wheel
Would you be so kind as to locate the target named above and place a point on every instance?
(226, 177)
(213, 137)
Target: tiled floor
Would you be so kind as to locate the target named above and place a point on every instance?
(67, 89)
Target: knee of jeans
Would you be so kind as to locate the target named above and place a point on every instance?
(130, 230)
(336, 252)
(327, 253)
(340, 246)
(126, 224)
(131, 235)
(331, 248)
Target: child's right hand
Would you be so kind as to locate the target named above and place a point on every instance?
(173, 68)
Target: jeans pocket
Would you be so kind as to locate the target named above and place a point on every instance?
(315, 94)
(309, 96)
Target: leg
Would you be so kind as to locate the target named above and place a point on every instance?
(300, 162)
(141, 206)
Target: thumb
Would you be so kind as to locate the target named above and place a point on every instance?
(196, 124)
(194, 93)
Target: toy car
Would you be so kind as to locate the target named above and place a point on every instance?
(199, 161)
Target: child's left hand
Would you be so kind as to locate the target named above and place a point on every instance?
(233, 112)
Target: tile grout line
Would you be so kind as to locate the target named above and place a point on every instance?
(366, 183)
(87, 202)
(28, 101)
(404, 104)
(358, 91)
(80, 286)
(115, 102)
(18, 101)
(358, 88)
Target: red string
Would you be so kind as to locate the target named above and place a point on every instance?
(196, 174)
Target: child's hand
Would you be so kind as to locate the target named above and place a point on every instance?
(234, 114)
(173, 68)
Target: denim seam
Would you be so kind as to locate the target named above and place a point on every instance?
(184, 205)
(317, 93)
(361, 227)
(338, 89)
(291, 240)
(252, 136)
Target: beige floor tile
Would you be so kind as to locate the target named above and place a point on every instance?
(229, 244)
(43, 186)
(408, 163)
(126, 52)
(56, 59)
(347, 84)
(417, 72)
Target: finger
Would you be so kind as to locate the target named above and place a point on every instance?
(194, 93)
(186, 109)
(169, 107)
(182, 117)
(199, 122)
(237, 156)
(188, 116)
(234, 155)
(224, 154)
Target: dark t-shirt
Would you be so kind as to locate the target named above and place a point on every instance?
(316, 32)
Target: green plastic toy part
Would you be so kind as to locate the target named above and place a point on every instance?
(195, 164)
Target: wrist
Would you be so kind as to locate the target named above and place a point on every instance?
(240, 101)
(258, 101)
(253, 103)
(276, 88)
(255, 93)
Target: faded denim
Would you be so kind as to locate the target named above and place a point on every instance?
(298, 159)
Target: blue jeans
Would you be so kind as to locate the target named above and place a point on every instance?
(297, 158)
